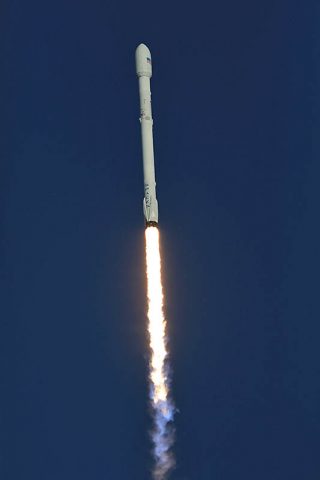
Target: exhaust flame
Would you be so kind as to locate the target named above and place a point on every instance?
(162, 406)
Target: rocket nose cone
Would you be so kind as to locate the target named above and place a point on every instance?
(142, 49)
(143, 61)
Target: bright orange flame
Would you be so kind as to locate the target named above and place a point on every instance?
(157, 323)
(162, 406)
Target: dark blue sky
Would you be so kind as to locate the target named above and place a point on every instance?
(236, 112)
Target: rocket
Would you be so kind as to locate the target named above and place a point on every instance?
(144, 73)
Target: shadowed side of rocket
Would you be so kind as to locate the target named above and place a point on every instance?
(144, 72)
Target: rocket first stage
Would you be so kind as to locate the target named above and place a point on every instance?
(144, 72)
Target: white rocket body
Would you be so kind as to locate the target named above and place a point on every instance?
(144, 72)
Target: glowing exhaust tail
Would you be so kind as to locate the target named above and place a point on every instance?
(162, 406)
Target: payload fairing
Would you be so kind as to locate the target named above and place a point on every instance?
(144, 72)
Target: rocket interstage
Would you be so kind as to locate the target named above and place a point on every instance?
(162, 407)
(144, 72)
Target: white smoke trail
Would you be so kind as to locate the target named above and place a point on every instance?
(162, 406)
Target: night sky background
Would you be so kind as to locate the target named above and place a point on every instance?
(236, 126)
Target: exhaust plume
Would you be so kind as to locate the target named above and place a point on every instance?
(161, 404)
